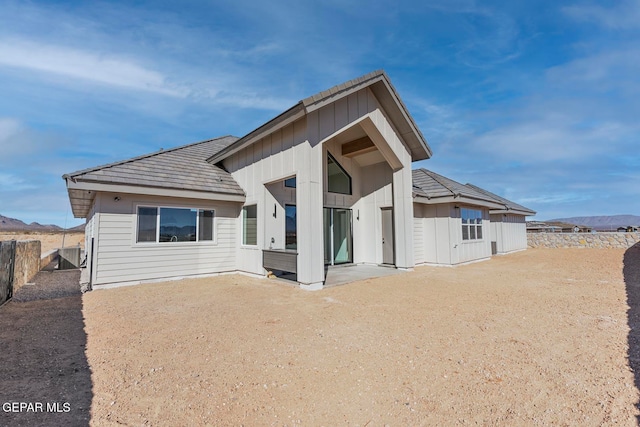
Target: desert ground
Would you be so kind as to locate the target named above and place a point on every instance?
(49, 241)
(541, 337)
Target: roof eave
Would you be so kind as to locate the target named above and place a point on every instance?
(455, 199)
(513, 211)
(109, 187)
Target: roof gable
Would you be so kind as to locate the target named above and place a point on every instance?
(378, 82)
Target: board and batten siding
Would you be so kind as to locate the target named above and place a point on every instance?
(442, 235)
(510, 232)
(471, 250)
(121, 259)
(373, 186)
(299, 149)
(278, 156)
(377, 193)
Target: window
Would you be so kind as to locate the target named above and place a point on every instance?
(205, 231)
(250, 225)
(291, 233)
(338, 180)
(147, 224)
(471, 224)
(290, 183)
(174, 224)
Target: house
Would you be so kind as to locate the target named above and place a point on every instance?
(457, 223)
(542, 227)
(326, 182)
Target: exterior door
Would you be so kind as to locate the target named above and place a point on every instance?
(338, 240)
(388, 256)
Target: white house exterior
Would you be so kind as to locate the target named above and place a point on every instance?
(459, 223)
(327, 182)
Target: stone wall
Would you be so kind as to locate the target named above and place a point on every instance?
(27, 262)
(582, 240)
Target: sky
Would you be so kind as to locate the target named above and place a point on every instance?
(537, 101)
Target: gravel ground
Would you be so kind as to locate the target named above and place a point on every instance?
(50, 284)
(540, 337)
(42, 359)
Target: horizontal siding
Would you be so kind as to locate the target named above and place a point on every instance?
(121, 259)
(418, 240)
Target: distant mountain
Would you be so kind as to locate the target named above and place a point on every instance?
(601, 222)
(78, 228)
(12, 224)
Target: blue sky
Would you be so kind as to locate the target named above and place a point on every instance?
(536, 101)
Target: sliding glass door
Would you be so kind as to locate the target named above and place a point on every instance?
(338, 241)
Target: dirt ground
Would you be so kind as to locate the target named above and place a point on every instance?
(541, 337)
(43, 353)
(49, 241)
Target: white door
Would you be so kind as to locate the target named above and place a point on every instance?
(387, 236)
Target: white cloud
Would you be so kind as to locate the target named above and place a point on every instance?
(548, 140)
(11, 183)
(623, 15)
(80, 64)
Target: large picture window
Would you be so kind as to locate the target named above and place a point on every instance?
(471, 224)
(250, 225)
(161, 224)
(338, 180)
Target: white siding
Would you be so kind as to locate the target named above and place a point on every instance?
(121, 259)
(280, 155)
(299, 149)
(89, 234)
(376, 193)
(471, 250)
(510, 232)
(442, 231)
(418, 235)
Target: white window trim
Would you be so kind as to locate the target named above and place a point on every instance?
(197, 242)
(328, 156)
(242, 244)
(481, 225)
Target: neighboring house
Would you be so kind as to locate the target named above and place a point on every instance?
(557, 227)
(326, 182)
(542, 227)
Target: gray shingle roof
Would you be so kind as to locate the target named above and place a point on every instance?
(182, 168)
(432, 186)
(508, 203)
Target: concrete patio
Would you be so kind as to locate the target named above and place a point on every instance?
(342, 274)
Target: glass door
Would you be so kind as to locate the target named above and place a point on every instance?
(338, 239)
